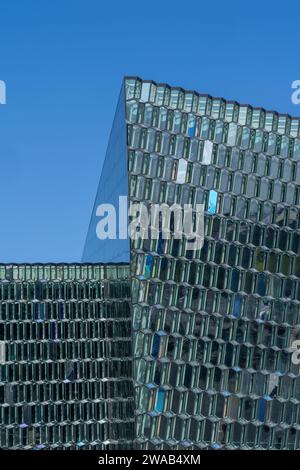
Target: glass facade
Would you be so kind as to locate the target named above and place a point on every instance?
(65, 357)
(171, 348)
(112, 185)
(214, 328)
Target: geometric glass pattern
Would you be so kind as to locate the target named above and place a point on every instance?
(170, 348)
(65, 357)
(214, 328)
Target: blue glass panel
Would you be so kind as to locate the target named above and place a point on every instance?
(262, 407)
(148, 266)
(160, 400)
(237, 308)
(261, 410)
(192, 127)
(155, 346)
(113, 183)
(234, 280)
(212, 202)
(160, 244)
(261, 284)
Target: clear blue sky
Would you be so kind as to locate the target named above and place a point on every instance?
(63, 62)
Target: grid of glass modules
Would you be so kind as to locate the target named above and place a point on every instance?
(65, 357)
(214, 328)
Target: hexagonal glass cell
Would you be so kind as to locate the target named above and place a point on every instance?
(181, 171)
(212, 202)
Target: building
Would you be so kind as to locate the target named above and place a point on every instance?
(65, 349)
(151, 344)
(214, 329)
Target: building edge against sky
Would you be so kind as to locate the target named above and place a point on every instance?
(114, 179)
(113, 183)
(213, 330)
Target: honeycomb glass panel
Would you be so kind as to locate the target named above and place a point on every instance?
(66, 342)
(228, 311)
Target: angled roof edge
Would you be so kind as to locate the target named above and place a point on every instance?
(257, 108)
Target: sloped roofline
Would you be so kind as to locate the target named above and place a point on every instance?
(256, 108)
